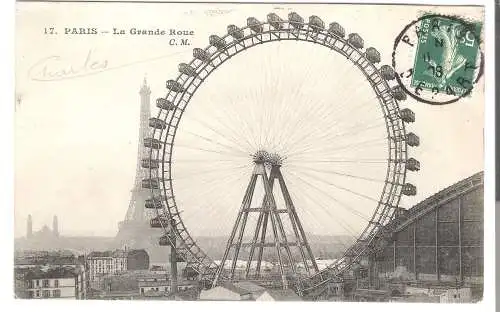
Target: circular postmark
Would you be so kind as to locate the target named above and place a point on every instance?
(437, 58)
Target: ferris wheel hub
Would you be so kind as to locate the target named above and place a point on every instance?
(267, 158)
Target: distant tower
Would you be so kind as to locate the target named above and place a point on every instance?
(29, 228)
(136, 211)
(135, 231)
(55, 227)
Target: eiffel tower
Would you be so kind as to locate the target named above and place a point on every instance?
(267, 214)
(134, 231)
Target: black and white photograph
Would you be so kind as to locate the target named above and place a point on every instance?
(224, 151)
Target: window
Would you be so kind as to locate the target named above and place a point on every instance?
(46, 283)
(46, 293)
(37, 283)
(37, 293)
(56, 283)
(30, 284)
(56, 293)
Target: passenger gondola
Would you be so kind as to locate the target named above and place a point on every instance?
(372, 55)
(187, 70)
(387, 72)
(201, 55)
(255, 25)
(164, 104)
(412, 139)
(412, 164)
(174, 86)
(150, 163)
(235, 32)
(274, 20)
(157, 123)
(158, 221)
(316, 23)
(154, 203)
(356, 41)
(150, 183)
(398, 93)
(409, 189)
(152, 143)
(407, 115)
(336, 30)
(217, 42)
(295, 20)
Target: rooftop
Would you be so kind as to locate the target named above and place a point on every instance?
(108, 254)
(49, 273)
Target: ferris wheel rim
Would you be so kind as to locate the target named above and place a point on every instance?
(397, 177)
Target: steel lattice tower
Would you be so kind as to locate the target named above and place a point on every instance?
(135, 231)
(268, 214)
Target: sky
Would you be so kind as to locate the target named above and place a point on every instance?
(76, 138)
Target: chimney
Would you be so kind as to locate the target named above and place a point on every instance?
(29, 228)
(55, 227)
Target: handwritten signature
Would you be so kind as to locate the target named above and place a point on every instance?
(56, 67)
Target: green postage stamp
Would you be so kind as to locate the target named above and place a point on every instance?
(446, 56)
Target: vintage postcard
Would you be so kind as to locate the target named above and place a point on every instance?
(250, 152)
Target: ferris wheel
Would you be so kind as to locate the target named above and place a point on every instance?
(328, 129)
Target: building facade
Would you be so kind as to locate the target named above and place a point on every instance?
(101, 264)
(59, 282)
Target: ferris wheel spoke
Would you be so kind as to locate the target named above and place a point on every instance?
(234, 154)
(233, 185)
(228, 137)
(235, 114)
(210, 205)
(326, 137)
(294, 97)
(339, 187)
(367, 105)
(336, 218)
(213, 211)
(214, 170)
(332, 127)
(348, 108)
(232, 118)
(360, 145)
(204, 159)
(343, 160)
(298, 126)
(202, 179)
(339, 174)
(326, 132)
(342, 204)
(210, 140)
